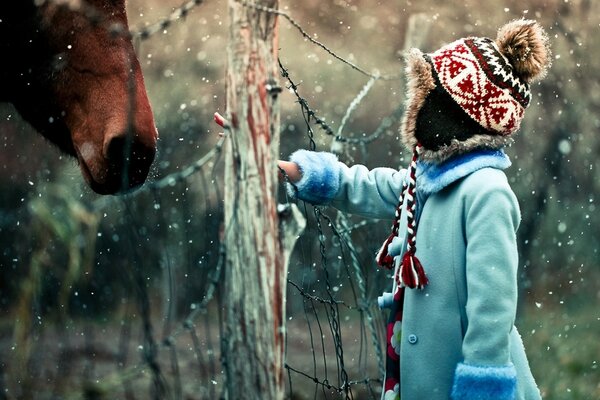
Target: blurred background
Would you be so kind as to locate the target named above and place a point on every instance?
(86, 281)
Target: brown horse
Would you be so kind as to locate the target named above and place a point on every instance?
(80, 85)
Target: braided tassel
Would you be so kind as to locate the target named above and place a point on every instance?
(411, 273)
(383, 258)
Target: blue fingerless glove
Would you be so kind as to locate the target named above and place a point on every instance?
(473, 382)
(320, 180)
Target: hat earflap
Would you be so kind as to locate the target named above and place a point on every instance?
(420, 82)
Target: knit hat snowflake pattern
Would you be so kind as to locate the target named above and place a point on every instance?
(467, 95)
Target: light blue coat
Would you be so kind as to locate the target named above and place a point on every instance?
(458, 336)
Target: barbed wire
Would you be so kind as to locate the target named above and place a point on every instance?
(319, 299)
(200, 307)
(307, 112)
(125, 375)
(170, 180)
(310, 115)
(345, 239)
(180, 12)
(188, 324)
(359, 97)
(334, 320)
(325, 383)
(303, 32)
(96, 18)
(169, 342)
(149, 347)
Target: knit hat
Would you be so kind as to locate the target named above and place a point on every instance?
(469, 94)
(473, 93)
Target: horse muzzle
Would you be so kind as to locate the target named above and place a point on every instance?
(121, 166)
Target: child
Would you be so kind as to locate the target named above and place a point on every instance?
(455, 293)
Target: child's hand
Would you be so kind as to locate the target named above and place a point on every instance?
(291, 169)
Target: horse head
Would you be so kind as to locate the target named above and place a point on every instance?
(71, 71)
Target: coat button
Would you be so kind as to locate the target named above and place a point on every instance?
(412, 339)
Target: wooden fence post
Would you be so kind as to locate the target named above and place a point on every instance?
(255, 273)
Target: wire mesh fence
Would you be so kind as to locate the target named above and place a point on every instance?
(161, 335)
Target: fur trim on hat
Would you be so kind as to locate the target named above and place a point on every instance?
(420, 82)
(492, 142)
(526, 45)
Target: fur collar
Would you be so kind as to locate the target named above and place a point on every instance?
(433, 177)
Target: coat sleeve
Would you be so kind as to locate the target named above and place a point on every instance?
(491, 220)
(356, 190)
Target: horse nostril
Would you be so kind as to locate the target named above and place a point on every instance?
(122, 149)
(129, 160)
(116, 149)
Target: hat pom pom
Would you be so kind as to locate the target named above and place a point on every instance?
(525, 44)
